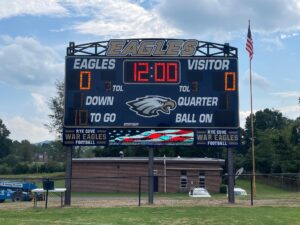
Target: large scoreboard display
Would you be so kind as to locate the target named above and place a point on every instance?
(151, 92)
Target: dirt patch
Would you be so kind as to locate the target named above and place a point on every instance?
(91, 202)
(160, 202)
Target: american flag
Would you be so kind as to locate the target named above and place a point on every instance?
(249, 44)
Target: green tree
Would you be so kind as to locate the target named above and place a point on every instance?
(55, 151)
(56, 105)
(275, 149)
(24, 151)
(5, 142)
(269, 119)
(295, 136)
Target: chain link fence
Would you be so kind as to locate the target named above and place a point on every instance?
(269, 190)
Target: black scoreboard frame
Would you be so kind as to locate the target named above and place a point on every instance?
(148, 71)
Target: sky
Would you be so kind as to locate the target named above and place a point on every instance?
(34, 35)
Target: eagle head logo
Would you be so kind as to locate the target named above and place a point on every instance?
(151, 105)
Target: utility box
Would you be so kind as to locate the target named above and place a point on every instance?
(48, 184)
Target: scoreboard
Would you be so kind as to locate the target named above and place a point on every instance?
(151, 92)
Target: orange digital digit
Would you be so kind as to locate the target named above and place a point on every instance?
(81, 117)
(85, 80)
(230, 81)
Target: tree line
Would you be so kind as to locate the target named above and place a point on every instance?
(277, 143)
(18, 157)
(277, 149)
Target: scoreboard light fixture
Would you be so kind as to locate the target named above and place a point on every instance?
(151, 92)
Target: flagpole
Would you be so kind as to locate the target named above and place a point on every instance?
(252, 135)
(252, 132)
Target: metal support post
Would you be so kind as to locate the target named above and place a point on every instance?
(231, 176)
(140, 184)
(68, 176)
(150, 177)
(251, 185)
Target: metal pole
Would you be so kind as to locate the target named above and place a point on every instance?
(150, 177)
(68, 176)
(140, 183)
(46, 204)
(165, 174)
(231, 176)
(251, 183)
(252, 136)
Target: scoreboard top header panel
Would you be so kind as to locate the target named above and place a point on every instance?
(152, 47)
(150, 88)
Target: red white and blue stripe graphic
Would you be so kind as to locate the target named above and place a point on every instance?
(154, 137)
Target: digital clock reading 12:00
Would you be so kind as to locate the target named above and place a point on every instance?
(151, 72)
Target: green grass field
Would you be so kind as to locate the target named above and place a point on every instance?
(264, 191)
(237, 214)
(34, 175)
(154, 215)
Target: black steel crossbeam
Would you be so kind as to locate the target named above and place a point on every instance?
(205, 49)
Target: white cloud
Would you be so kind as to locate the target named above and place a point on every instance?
(204, 17)
(216, 20)
(290, 111)
(260, 81)
(22, 129)
(285, 36)
(27, 63)
(287, 94)
(119, 19)
(9, 8)
(257, 80)
(243, 116)
(290, 81)
(270, 41)
(40, 103)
